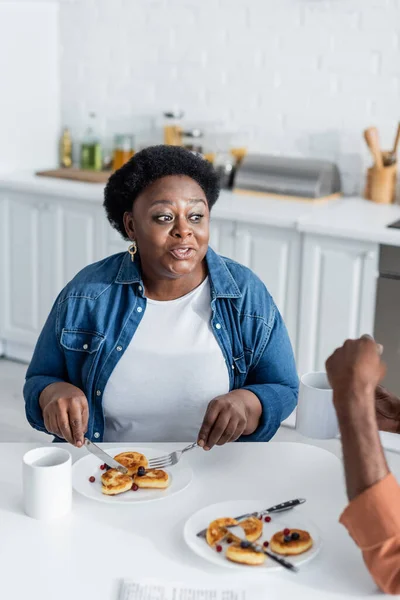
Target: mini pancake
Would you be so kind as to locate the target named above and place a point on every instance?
(252, 528)
(132, 461)
(245, 556)
(114, 482)
(292, 548)
(154, 478)
(217, 530)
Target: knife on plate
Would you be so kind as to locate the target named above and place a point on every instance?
(238, 532)
(272, 509)
(104, 457)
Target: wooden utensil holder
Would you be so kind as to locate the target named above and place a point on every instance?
(381, 184)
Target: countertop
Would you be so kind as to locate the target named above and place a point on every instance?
(350, 217)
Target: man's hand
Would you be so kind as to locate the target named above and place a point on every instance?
(387, 410)
(65, 412)
(354, 371)
(228, 417)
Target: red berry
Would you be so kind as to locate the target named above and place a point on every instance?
(286, 531)
(92, 479)
(219, 548)
(102, 467)
(267, 519)
(135, 487)
(265, 544)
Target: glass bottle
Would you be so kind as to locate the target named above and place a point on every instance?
(173, 128)
(66, 149)
(91, 153)
(123, 150)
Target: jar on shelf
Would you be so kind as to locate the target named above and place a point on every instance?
(191, 140)
(173, 128)
(123, 150)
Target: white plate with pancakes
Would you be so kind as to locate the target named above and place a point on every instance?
(171, 481)
(291, 519)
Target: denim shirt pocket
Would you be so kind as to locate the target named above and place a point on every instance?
(78, 340)
(81, 349)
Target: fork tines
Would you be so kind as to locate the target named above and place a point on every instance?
(160, 463)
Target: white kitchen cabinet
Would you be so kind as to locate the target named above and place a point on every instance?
(45, 242)
(81, 239)
(338, 290)
(114, 241)
(223, 237)
(28, 268)
(273, 253)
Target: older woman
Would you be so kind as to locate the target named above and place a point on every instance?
(167, 341)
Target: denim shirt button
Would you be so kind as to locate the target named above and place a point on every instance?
(233, 366)
(139, 309)
(119, 348)
(218, 326)
(85, 346)
(140, 288)
(96, 435)
(98, 393)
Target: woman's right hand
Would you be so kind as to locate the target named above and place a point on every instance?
(65, 412)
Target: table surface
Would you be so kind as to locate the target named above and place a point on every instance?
(86, 554)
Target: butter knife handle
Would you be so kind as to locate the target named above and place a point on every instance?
(282, 561)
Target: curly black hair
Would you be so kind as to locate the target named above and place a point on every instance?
(147, 166)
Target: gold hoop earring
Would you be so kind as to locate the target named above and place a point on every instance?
(132, 250)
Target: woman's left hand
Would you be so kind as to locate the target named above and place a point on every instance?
(228, 417)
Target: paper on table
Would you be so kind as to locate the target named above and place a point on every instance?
(156, 590)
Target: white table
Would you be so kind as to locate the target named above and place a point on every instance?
(84, 555)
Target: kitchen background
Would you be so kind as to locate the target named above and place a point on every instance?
(294, 78)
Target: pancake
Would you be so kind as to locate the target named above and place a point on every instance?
(292, 548)
(114, 482)
(252, 528)
(132, 461)
(244, 556)
(217, 530)
(154, 478)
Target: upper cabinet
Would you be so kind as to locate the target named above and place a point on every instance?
(338, 290)
(273, 253)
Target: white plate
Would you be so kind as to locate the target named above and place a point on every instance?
(291, 519)
(89, 465)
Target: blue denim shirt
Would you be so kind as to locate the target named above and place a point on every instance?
(96, 315)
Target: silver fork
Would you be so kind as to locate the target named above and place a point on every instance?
(169, 459)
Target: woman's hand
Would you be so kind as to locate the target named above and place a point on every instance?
(228, 417)
(65, 412)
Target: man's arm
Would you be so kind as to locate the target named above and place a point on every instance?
(364, 460)
(373, 515)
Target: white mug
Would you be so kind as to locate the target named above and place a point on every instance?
(47, 482)
(316, 415)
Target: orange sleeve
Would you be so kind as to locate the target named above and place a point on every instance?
(373, 521)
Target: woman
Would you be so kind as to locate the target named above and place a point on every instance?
(168, 341)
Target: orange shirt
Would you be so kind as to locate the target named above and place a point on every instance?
(373, 521)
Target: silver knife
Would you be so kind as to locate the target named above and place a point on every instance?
(104, 457)
(238, 532)
(289, 504)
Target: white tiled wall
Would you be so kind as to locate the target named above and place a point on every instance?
(303, 77)
(29, 85)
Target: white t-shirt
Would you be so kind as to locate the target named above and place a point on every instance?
(173, 367)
